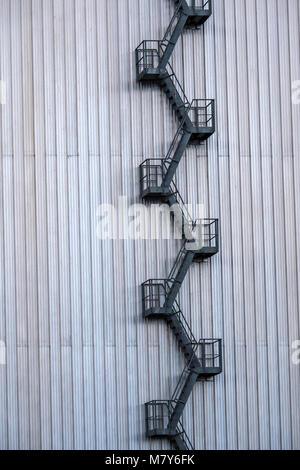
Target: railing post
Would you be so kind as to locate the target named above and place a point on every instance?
(213, 107)
(217, 234)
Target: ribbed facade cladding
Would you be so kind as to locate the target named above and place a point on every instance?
(80, 359)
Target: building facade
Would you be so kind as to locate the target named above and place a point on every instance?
(78, 360)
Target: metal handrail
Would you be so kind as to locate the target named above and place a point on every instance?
(151, 173)
(203, 6)
(158, 283)
(177, 85)
(205, 222)
(178, 133)
(206, 357)
(163, 286)
(200, 104)
(177, 261)
(187, 329)
(181, 381)
(189, 220)
(181, 431)
(144, 48)
(169, 30)
(206, 3)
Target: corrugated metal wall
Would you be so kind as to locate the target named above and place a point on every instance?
(81, 361)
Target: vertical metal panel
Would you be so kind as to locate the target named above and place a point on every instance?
(81, 360)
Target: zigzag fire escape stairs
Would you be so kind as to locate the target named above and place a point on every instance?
(200, 237)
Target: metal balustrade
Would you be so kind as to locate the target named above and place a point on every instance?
(198, 11)
(205, 234)
(209, 355)
(177, 312)
(198, 5)
(148, 55)
(202, 113)
(158, 416)
(172, 26)
(152, 174)
(154, 296)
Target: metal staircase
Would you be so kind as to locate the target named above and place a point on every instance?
(200, 237)
(163, 417)
(198, 114)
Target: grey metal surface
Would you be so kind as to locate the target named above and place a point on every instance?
(81, 360)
